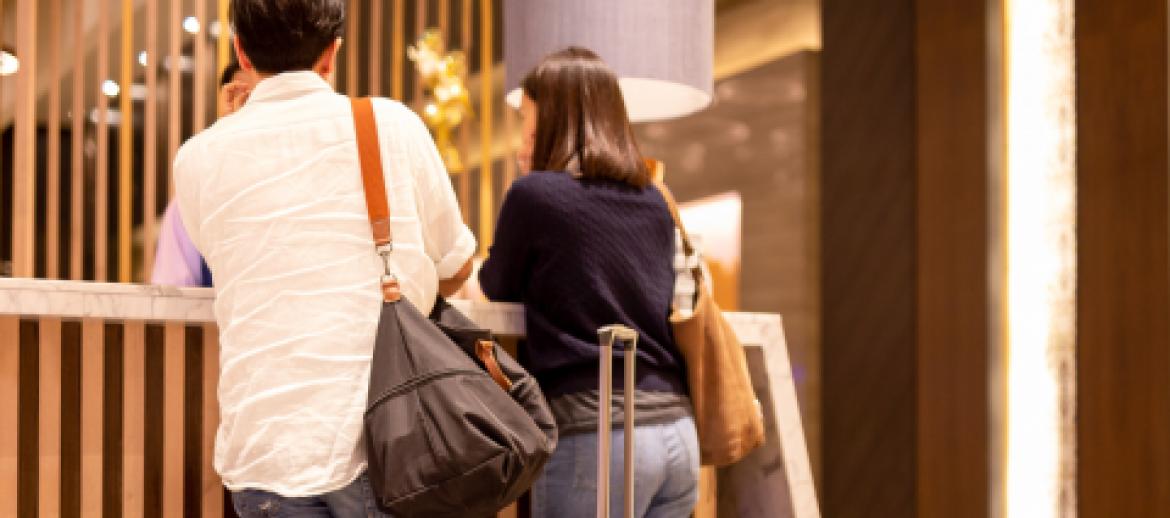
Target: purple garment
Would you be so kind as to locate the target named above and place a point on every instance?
(177, 262)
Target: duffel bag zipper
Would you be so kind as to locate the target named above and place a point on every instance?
(414, 382)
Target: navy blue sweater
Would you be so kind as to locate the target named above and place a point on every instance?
(581, 255)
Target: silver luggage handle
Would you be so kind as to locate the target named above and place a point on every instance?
(627, 339)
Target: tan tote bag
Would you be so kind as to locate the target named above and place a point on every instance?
(729, 419)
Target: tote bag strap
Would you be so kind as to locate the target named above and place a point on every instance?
(656, 172)
(374, 185)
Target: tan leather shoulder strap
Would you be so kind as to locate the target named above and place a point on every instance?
(656, 175)
(373, 180)
(374, 185)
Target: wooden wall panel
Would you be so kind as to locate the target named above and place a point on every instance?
(486, 100)
(174, 87)
(953, 328)
(133, 419)
(76, 141)
(869, 222)
(1123, 268)
(126, 143)
(150, 134)
(102, 175)
(375, 48)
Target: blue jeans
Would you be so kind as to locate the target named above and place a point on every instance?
(666, 471)
(353, 501)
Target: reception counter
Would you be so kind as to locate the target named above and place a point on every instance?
(107, 403)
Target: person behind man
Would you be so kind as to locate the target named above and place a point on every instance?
(272, 196)
(177, 262)
(585, 241)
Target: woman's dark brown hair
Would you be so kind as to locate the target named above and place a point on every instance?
(581, 121)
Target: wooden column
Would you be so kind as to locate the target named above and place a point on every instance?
(174, 86)
(465, 14)
(869, 287)
(352, 47)
(956, 82)
(199, 80)
(397, 50)
(172, 470)
(1123, 268)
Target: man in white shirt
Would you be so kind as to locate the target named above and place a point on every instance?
(272, 197)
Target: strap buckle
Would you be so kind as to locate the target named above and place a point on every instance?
(384, 251)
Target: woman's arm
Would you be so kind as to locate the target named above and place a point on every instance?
(504, 274)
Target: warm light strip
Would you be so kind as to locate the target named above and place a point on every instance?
(1041, 258)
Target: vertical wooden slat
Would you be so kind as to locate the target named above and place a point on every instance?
(133, 419)
(9, 411)
(445, 21)
(420, 25)
(53, 148)
(174, 87)
(509, 146)
(375, 51)
(150, 141)
(76, 141)
(126, 144)
(486, 209)
(24, 181)
(92, 416)
(174, 348)
(352, 30)
(223, 46)
(49, 412)
(199, 75)
(102, 174)
(465, 13)
(398, 51)
(212, 486)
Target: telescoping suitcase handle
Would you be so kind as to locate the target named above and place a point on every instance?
(627, 339)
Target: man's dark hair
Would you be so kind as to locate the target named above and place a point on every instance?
(581, 122)
(229, 73)
(285, 35)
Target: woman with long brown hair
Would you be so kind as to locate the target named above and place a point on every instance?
(584, 240)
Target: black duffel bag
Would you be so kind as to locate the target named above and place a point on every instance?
(453, 425)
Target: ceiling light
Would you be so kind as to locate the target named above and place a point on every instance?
(191, 25)
(8, 63)
(142, 58)
(110, 88)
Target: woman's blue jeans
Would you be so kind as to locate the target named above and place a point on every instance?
(666, 471)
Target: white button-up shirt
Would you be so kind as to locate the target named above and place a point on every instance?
(272, 196)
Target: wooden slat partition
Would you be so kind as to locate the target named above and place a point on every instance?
(126, 143)
(24, 163)
(49, 412)
(92, 417)
(102, 175)
(53, 149)
(9, 413)
(445, 21)
(212, 487)
(173, 372)
(133, 419)
(223, 46)
(76, 140)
